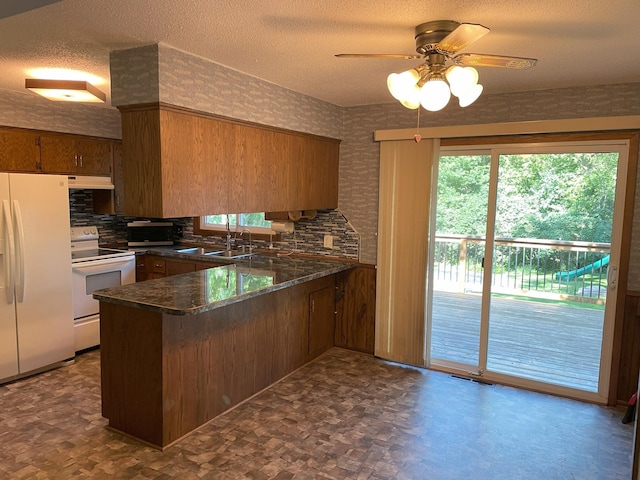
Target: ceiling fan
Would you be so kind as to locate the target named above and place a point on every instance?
(437, 42)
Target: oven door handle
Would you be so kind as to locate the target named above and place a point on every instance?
(98, 266)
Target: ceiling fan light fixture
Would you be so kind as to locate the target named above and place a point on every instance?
(435, 94)
(470, 95)
(461, 79)
(65, 90)
(412, 99)
(401, 84)
(439, 42)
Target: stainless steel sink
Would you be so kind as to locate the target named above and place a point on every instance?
(199, 251)
(216, 252)
(230, 254)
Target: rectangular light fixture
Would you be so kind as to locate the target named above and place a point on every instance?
(65, 90)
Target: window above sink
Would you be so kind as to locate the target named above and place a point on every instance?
(253, 222)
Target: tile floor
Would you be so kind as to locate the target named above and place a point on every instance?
(343, 416)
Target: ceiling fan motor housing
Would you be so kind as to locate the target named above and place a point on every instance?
(429, 34)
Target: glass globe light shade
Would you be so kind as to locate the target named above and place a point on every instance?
(435, 94)
(400, 84)
(412, 98)
(470, 95)
(461, 79)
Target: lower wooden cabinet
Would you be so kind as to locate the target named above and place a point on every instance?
(341, 313)
(322, 306)
(176, 267)
(627, 380)
(355, 308)
(202, 365)
(151, 266)
(141, 268)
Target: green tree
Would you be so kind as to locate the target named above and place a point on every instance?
(567, 196)
(463, 185)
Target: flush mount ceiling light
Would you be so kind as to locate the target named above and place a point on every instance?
(65, 90)
(436, 43)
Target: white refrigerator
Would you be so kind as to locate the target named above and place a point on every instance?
(36, 312)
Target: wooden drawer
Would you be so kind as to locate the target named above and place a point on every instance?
(157, 265)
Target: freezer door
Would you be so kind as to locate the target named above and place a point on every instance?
(8, 335)
(44, 312)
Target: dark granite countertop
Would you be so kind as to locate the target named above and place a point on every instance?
(197, 292)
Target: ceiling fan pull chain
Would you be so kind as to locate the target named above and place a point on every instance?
(417, 137)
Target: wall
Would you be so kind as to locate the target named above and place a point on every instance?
(28, 110)
(159, 73)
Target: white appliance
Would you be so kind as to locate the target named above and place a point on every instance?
(36, 315)
(94, 268)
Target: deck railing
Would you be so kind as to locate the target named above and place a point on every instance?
(545, 268)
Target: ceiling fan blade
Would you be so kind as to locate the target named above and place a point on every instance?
(465, 34)
(482, 60)
(407, 56)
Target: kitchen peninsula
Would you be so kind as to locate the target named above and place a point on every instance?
(180, 350)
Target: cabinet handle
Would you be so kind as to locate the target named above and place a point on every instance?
(313, 306)
(80, 160)
(75, 160)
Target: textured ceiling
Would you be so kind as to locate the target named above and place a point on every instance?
(292, 42)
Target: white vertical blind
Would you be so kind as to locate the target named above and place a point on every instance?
(403, 233)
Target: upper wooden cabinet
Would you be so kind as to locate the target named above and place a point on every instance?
(34, 151)
(180, 163)
(19, 150)
(68, 154)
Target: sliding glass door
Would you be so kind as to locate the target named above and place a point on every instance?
(457, 266)
(524, 253)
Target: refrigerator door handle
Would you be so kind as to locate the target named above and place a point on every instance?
(20, 280)
(9, 249)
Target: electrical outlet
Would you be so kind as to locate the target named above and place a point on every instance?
(328, 241)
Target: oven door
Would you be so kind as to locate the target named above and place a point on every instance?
(96, 274)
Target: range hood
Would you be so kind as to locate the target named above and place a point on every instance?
(89, 182)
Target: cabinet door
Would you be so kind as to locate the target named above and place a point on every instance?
(321, 320)
(313, 175)
(355, 308)
(155, 266)
(141, 268)
(75, 156)
(176, 267)
(19, 151)
(95, 156)
(118, 179)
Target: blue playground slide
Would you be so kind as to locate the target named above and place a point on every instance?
(581, 271)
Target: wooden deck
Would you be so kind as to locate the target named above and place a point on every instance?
(555, 344)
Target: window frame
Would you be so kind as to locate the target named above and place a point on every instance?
(257, 233)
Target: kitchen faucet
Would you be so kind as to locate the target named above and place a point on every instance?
(249, 232)
(228, 234)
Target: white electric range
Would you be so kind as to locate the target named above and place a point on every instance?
(93, 268)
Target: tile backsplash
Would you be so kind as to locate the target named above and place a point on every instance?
(307, 237)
